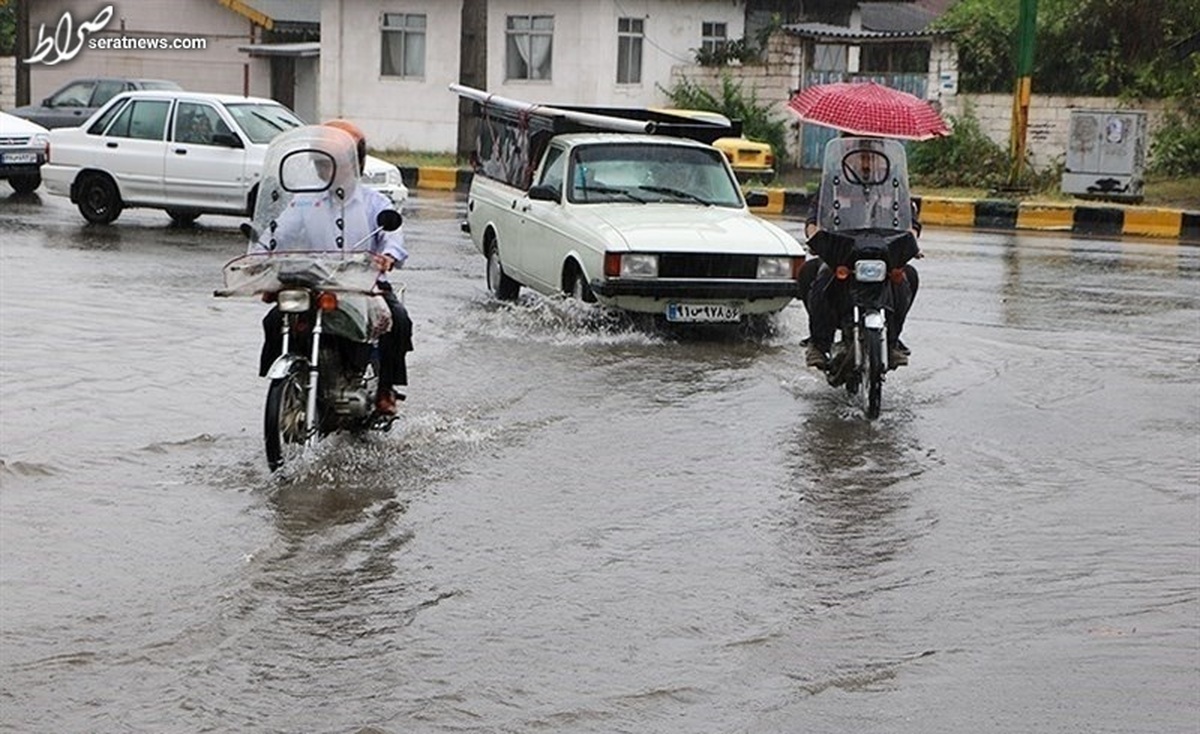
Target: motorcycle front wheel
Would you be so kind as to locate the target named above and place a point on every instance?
(875, 369)
(285, 420)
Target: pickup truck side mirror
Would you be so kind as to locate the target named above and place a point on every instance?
(389, 220)
(229, 140)
(757, 198)
(544, 192)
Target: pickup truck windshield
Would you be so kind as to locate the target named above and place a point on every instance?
(650, 173)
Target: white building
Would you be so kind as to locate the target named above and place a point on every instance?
(388, 65)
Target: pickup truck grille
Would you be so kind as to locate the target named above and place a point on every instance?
(674, 265)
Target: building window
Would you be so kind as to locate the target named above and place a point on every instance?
(403, 44)
(530, 40)
(712, 37)
(629, 50)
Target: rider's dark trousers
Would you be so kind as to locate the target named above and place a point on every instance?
(829, 298)
(393, 346)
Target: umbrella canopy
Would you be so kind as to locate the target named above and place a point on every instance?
(867, 108)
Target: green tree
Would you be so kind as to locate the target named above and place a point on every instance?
(8, 28)
(757, 123)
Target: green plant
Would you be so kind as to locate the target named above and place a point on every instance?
(1175, 150)
(968, 158)
(757, 123)
(740, 50)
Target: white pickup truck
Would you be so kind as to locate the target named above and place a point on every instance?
(644, 223)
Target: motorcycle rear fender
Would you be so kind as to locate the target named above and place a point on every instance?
(285, 365)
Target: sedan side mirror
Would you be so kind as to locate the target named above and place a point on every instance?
(389, 220)
(229, 140)
(544, 192)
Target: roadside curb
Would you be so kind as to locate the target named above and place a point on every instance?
(1173, 225)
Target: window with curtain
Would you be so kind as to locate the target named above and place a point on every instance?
(528, 46)
(712, 37)
(629, 50)
(403, 44)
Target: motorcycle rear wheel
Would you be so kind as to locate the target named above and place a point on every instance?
(285, 420)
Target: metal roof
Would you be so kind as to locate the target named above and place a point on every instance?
(836, 33)
(269, 13)
(307, 49)
(895, 17)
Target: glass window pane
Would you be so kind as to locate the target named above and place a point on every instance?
(148, 120)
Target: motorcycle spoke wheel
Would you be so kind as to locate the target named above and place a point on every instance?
(285, 420)
(874, 374)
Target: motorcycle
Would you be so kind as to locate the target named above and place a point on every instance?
(325, 378)
(864, 240)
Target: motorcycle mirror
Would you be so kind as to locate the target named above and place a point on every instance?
(389, 220)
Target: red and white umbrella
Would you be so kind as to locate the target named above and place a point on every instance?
(867, 108)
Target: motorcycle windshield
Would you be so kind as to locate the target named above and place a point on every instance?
(271, 272)
(309, 176)
(864, 185)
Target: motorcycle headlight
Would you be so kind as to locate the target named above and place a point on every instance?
(294, 301)
(870, 271)
(774, 268)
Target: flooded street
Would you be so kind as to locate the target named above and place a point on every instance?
(585, 526)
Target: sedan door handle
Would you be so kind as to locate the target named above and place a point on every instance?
(181, 151)
(110, 145)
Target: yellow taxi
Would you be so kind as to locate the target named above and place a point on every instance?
(750, 159)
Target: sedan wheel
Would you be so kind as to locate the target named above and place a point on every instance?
(580, 290)
(182, 217)
(25, 184)
(99, 202)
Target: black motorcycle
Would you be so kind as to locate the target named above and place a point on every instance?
(864, 241)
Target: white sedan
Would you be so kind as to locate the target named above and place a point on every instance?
(188, 153)
(22, 152)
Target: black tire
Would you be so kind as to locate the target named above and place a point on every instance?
(498, 282)
(284, 419)
(99, 202)
(580, 290)
(876, 366)
(25, 184)
(183, 217)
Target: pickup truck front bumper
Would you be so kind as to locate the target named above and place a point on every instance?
(726, 290)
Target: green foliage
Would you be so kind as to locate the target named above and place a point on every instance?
(740, 50)
(1082, 47)
(1175, 150)
(966, 159)
(8, 29)
(757, 123)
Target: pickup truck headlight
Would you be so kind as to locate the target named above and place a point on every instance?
(775, 268)
(630, 265)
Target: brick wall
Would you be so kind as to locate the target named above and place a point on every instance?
(8, 82)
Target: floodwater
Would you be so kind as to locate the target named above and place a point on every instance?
(586, 526)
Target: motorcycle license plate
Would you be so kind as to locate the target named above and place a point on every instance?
(693, 313)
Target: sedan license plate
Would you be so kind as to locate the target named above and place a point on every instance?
(14, 158)
(703, 313)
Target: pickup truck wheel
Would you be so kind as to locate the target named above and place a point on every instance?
(99, 202)
(26, 183)
(501, 286)
(580, 290)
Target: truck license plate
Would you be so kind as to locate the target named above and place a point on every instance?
(13, 158)
(703, 313)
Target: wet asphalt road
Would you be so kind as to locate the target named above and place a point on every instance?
(583, 526)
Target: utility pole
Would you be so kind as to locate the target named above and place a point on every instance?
(1026, 28)
(472, 66)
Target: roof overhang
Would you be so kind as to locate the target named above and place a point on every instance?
(826, 33)
(304, 50)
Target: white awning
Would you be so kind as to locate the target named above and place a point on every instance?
(307, 49)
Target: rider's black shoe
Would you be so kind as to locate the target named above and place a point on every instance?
(897, 356)
(815, 356)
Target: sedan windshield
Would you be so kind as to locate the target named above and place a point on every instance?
(651, 173)
(262, 122)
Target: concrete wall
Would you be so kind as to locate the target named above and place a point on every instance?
(219, 67)
(8, 82)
